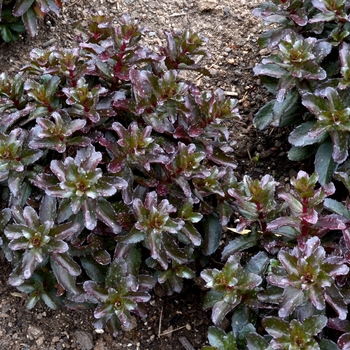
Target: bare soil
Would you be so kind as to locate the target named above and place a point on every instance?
(178, 321)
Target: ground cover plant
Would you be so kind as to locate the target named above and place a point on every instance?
(19, 16)
(116, 175)
(308, 70)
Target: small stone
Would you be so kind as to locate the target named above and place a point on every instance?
(100, 345)
(34, 332)
(85, 340)
(188, 327)
(55, 339)
(40, 341)
(278, 144)
(264, 52)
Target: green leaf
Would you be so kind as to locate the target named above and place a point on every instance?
(21, 7)
(32, 300)
(344, 341)
(326, 344)
(5, 216)
(238, 244)
(47, 210)
(301, 153)
(94, 270)
(67, 263)
(212, 234)
(31, 22)
(336, 300)
(336, 207)
(280, 113)
(242, 337)
(211, 298)
(222, 308)
(291, 298)
(192, 233)
(276, 327)
(300, 135)
(265, 115)
(107, 214)
(324, 163)
(289, 262)
(50, 301)
(314, 324)
(258, 264)
(240, 317)
(7, 35)
(257, 342)
(271, 295)
(218, 338)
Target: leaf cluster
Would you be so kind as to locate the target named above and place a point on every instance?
(116, 175)
(111, 165)
(308, 71)
(18, 16)
(284, 283)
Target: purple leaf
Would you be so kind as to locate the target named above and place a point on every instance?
(29, 263)
(90, 216)
(67, 263)
(317, 297)
(107, 214)
(93, 289)
(221, 309)
(344, 341)
(276, 327)
(65, 279)
(336, 300)
(21, 7)
(291, 298)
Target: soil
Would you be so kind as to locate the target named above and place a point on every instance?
(178, 321)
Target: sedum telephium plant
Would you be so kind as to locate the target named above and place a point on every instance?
(116, 178)
(295, 278)
(107, 168)
(18, 16)
(308, 72)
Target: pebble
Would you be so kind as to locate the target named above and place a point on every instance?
(100, 345)
(40, 341)
(55, 339)
(85, 340)
(34, 332)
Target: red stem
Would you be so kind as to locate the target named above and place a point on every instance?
(261, 217)
(304, 224)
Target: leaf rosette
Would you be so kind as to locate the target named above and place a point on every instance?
(121, 295)
(80, 181)
(229, 287)
(157, 229)
(306, 274)
(39, 238)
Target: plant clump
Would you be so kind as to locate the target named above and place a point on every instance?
(116, 176)
(19, 16)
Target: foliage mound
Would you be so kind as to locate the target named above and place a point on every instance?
(308, 70)
(116, 175)
(18, 16)
(110, 164)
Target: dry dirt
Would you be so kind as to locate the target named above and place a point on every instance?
(176, 322)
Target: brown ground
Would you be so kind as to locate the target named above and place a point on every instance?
(232, 34)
